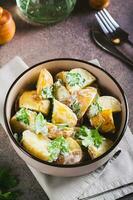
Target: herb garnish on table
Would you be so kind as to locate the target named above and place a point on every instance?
(7, 184)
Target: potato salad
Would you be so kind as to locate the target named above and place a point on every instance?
(66, 119)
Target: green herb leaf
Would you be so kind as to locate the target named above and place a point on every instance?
(94, 109)
(97, 138)
(74, 79)
(22, 115)
(47, 93)
(40, 124)
(7, 181)
(9, 196)
(89, 136)
(56, 147)
(75, 106)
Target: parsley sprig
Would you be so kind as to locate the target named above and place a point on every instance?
(74, 78)
(22, 115)
(75, 106)
(7, 185)
(89, 136)
(40, 124)
(47, 93)
(56, 147)
(94, 109)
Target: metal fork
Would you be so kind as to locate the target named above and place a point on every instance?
(111, 28)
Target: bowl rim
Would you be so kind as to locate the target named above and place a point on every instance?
(10, 134)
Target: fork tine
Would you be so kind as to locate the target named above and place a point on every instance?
(111, 18)
(107, 20)
(101, 24)
(104, 22)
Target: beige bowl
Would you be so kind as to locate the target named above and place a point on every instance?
(29, 77)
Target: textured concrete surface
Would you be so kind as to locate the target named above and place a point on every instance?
(69, 38)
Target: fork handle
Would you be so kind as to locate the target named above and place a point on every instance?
(130, 42)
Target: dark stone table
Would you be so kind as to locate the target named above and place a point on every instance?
(69, 38)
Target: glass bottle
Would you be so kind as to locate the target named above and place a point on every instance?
(45, 11)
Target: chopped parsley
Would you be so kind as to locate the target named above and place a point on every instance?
(56, 147)
(22, 115)
(74, 78)
(40, 124)
(94, 109)
(75, 106)
(47, 93)
(89, 137)
(8, 183)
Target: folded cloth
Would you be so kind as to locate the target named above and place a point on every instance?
(109, 182)
(8, 73)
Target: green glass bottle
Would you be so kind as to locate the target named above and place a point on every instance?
(45, 11)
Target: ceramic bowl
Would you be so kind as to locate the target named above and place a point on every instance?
(28, 78)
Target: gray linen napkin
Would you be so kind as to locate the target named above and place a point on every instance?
(111, 181)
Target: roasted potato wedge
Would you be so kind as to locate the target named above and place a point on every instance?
(109, 102)
(61, 76)
(76, 79)
(104, 120)
(57, 131)
(61, 93)
(30, 100)
(19, 126)
(75, 154)
(89, 78)
(95, 152)
(45, 79)
(84, 98)
(36, 144)
(62, 114)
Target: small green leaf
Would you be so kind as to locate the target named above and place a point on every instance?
(9, 196)
(56, 147)
(7, 181)
(97, 138)
(94, 109)
(22, 115)
(74, 78)
(40, 124)
(47, 93)
(75, 106)
(89, 136)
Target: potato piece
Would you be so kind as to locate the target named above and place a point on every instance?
(45, 79)
(36, 144)
(61, 93)
(109, 102)
(75, 154)
(61, 76)
(57, 131)
(30, 100)
(62, 114)
(84, 98)
(76, 79)
(19, 126)
(89, 78)
(104, 120)
(95, 152)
